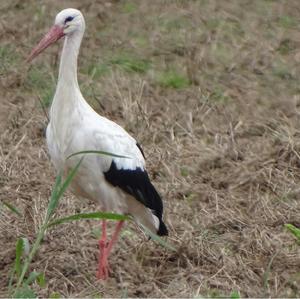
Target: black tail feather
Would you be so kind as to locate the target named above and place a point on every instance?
(162, 230)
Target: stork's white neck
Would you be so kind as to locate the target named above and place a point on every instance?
(67, 97)
(68, 63)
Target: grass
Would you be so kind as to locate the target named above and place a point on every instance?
(8, 58)
(131, 64)
(173, 23)
(141, 41)
(222, 145)
(282, 71)
(43, 83)
(173, 79)
(294, 231)
(129, 7)
(97, 70)
(287, 21)
(286, 46)
(218, 96)
(12, 208)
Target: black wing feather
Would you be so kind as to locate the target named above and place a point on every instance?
(137, 183)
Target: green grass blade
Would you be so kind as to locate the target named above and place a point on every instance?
(12, 208)
(58, 192)
(235, 295)
(32, 277)
(67, 182)
(54, 198)
(95, 215)
(30, 256)
(55, 295)
(11, 278)
(22, 246)
(99, 153)
(294, 230)
(41, 281)
(19, 253)
(24, 292)
(157, 239)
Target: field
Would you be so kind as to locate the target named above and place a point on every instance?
(210, 89)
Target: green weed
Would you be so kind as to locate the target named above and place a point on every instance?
(294, 231)
(97, 70)
(11, 208)
(140, 41)
(131, 64)
(218, 96)
(215, 293)
(172, 79)
(286, 46)
(8, 57)
(55, 295)
(129, 8)
(184, 171)
(287, 22)
(222, 53)
(213, 23)
(174, 23)
(283, 72)
(235, 295)
(43, 83)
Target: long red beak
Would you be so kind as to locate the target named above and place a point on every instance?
(54, 34)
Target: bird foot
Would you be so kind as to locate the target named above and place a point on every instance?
(105, 249)
(103, 267)
(103, 272)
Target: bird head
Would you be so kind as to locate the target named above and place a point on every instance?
(67, 22)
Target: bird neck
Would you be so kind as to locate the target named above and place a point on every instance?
(67, 96)
(68, 63)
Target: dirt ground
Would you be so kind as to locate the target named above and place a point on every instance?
(211, 90)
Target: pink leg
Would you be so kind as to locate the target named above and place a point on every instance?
(105, 249)
(103, 266)
(115, 236)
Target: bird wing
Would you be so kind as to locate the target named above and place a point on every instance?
(129, 174)
(117, 141)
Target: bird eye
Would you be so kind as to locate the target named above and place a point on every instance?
(68, 19)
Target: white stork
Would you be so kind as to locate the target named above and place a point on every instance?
(117, 184)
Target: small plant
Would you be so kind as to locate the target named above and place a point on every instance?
(235, 295)
(131, 64)
(286, 46)
(43, 83)
(97, 70)
(215, 293)
(129, 8)
(287, 22)
(140, 41)
(8, 58)
(11, 208)
(173, 23)
(173, 79)
(219, 96)
(294, 231)
(282, 71)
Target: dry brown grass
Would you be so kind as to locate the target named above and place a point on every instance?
(223, 150)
